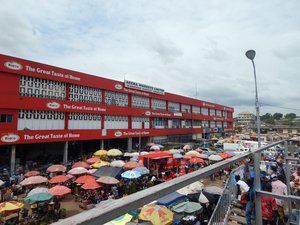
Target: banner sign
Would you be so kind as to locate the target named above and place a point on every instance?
(143, 87)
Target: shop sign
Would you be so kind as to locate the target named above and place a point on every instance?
(51, 136)
(13, 65)
(143, 87)
(53, 105)
(118, 86)
(118, 133)
(10, 138)
(83, 107)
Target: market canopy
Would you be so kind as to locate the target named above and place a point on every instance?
(114, 152)
(38, 190)
(187, 207)
(11, 206)
(32, 173)
(157, 214)
(78, 171)
(41, 197)
(171, 199)
(34, 180)
(100, 153)
(59, 190)
(109, 171)
(56, 168)
(81, 164)
(58, 179)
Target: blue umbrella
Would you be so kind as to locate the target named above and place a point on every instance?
(131, 174)
(142, 169)
(177, 156)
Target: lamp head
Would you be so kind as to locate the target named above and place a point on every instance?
(250, 54)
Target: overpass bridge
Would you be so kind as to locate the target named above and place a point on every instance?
(107, 211)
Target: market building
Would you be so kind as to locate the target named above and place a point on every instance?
(49, 111)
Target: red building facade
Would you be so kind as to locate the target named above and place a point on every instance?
(41, 103)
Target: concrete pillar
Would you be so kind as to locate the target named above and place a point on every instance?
(102, 144)
(13, 159)
(65, 159)
(129, 144)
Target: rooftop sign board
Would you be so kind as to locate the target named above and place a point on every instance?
(144, 87)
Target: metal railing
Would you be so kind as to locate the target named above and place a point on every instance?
(222, 209)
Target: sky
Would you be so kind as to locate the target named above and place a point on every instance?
(194, 48)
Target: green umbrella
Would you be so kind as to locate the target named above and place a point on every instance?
(187, 207)
(40, 197)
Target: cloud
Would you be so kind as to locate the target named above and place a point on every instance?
(183, 47)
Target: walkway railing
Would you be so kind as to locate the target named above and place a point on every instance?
(222, 210)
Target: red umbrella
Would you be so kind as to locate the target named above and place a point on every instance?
(91, 185)
(93, 160)
(196, 160)
(81, 164)
(198, 150)
(34, 180)
(187, 156)
(32, 173)
(225, 155)
(59, 190)
(84, 179)
(56, 168)
(58, 179)
(131, 165)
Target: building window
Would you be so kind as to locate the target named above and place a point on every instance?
(6, 118)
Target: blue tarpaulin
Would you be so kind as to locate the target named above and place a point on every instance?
(171, 199)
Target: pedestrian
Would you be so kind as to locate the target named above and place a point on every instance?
(268, 207)
(250, 207)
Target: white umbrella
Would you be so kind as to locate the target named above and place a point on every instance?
(78, 171)
(1, 182)
(144, 153)
(203, 199)
(133, 154)
(215, 158)
(117, 163)
(174, 151)
(91, 171)
(38, 190)
(196, 186)
(214, 190)
(155, 147)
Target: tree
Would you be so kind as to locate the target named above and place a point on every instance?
(290, 116)
(277, 116)
(267, 116)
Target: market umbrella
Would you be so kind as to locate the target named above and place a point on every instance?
(114, 152)
(155, 147)
(187, 147)
(174, 151)
(196, 160)
(122, 220)
(196, 186)
(100, 164)
(215, 158)
(58, 179)
(134, 159)
(144, 153)
(187, 207)
(84, 179)
(41, 197)
(56, 168)
(203, 199)
(91, 171)
(108, 180)
(91, 185)
(150, 144)
(131, 174)
(93, 160)
(100, 153)
(131, 165)
(214, 190)
(142, 169)
(117, 163)
(177, 156)
(34, 180)
(10, 207)
(59, 190)
(78, 171)
(193, 152)
(81, 164)
(203, 156)
(37, 191)
(32, 173)
(139, 223)
(198, 150)
(157, 214)
(187, 156)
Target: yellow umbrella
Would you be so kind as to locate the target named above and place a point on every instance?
(157, 214)
(114, 152)
(11, 206)
(193, 152)
(100, 164)
(122, 220)
(214, 139)
(100, 153)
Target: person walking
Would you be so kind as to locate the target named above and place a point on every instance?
(250, 209)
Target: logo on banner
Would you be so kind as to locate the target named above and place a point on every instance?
(10, 138)
(147, 113)
(53, 105)
(118, 86)
(118, 133)
(13, 65)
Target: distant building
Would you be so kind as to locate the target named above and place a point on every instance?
(245, 118)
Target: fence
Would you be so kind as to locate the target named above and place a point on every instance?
(222, 210)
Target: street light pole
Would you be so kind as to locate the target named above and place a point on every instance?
(250, 55)
(257, 156)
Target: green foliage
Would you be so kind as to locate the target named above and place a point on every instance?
(290, 116)
(277, 116)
